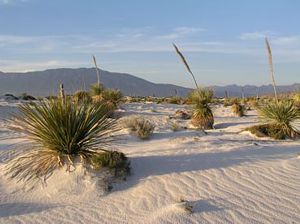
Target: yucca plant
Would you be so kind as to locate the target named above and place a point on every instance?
(203, 117)
(200, 96)
(202, 114)
(96, 89)
(113, 96)
(283, 116)
(279, 118)
(60, 132)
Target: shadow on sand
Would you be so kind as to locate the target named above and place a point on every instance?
(19, 208)
(145, 166)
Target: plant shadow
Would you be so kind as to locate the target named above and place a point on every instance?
(15, 209)
(146, 166)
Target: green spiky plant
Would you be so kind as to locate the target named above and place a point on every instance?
(279, 117)
(282, 117)
(96, 89)
(112, 96)
(60, 132)
(202, 115)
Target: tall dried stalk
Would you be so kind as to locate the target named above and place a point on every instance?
(186, 64)
(269, 51)
(97, 70)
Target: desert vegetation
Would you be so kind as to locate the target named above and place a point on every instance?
(61, 134)
(237, 108)
(278, 120)
(140, 126)
(202, 114)
(278, 117)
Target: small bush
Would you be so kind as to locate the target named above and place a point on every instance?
(82, 96)
(116, 161)
(238, 109)
(174, 100)
(267, 130)
(296, 99)
(142, 127)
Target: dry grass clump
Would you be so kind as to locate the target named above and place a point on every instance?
(140, 126)
(238, 109)
(279, 120)
(296, 99)
(174, 100)
(60, 132)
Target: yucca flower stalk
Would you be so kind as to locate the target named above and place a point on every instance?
(202, 115)
(97, 70)
(270, 60)
(60, 132)
(186, 64)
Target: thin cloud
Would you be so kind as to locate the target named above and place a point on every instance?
(26, 66)
(254, 35)
(180, 32)
(11, 2)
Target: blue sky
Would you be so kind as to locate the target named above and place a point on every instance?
(222, 40)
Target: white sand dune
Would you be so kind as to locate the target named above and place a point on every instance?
(227, 175)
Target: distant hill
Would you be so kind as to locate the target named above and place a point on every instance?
(44, 83)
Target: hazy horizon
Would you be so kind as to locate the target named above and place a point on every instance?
(223, 41)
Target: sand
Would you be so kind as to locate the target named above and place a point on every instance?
(226, 176)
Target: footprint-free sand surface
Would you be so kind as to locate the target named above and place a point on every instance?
(227, 175)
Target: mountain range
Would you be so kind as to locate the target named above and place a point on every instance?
(45, 83)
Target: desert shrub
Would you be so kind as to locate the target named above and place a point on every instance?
(296, 99)
(279, 120)
(82, 96)
(267, 130)
(253, 103)
(174, 100)
(140, 126)
(60, 132)
(116, 161)
(202, 116)
(96, 89)
(238, 109)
